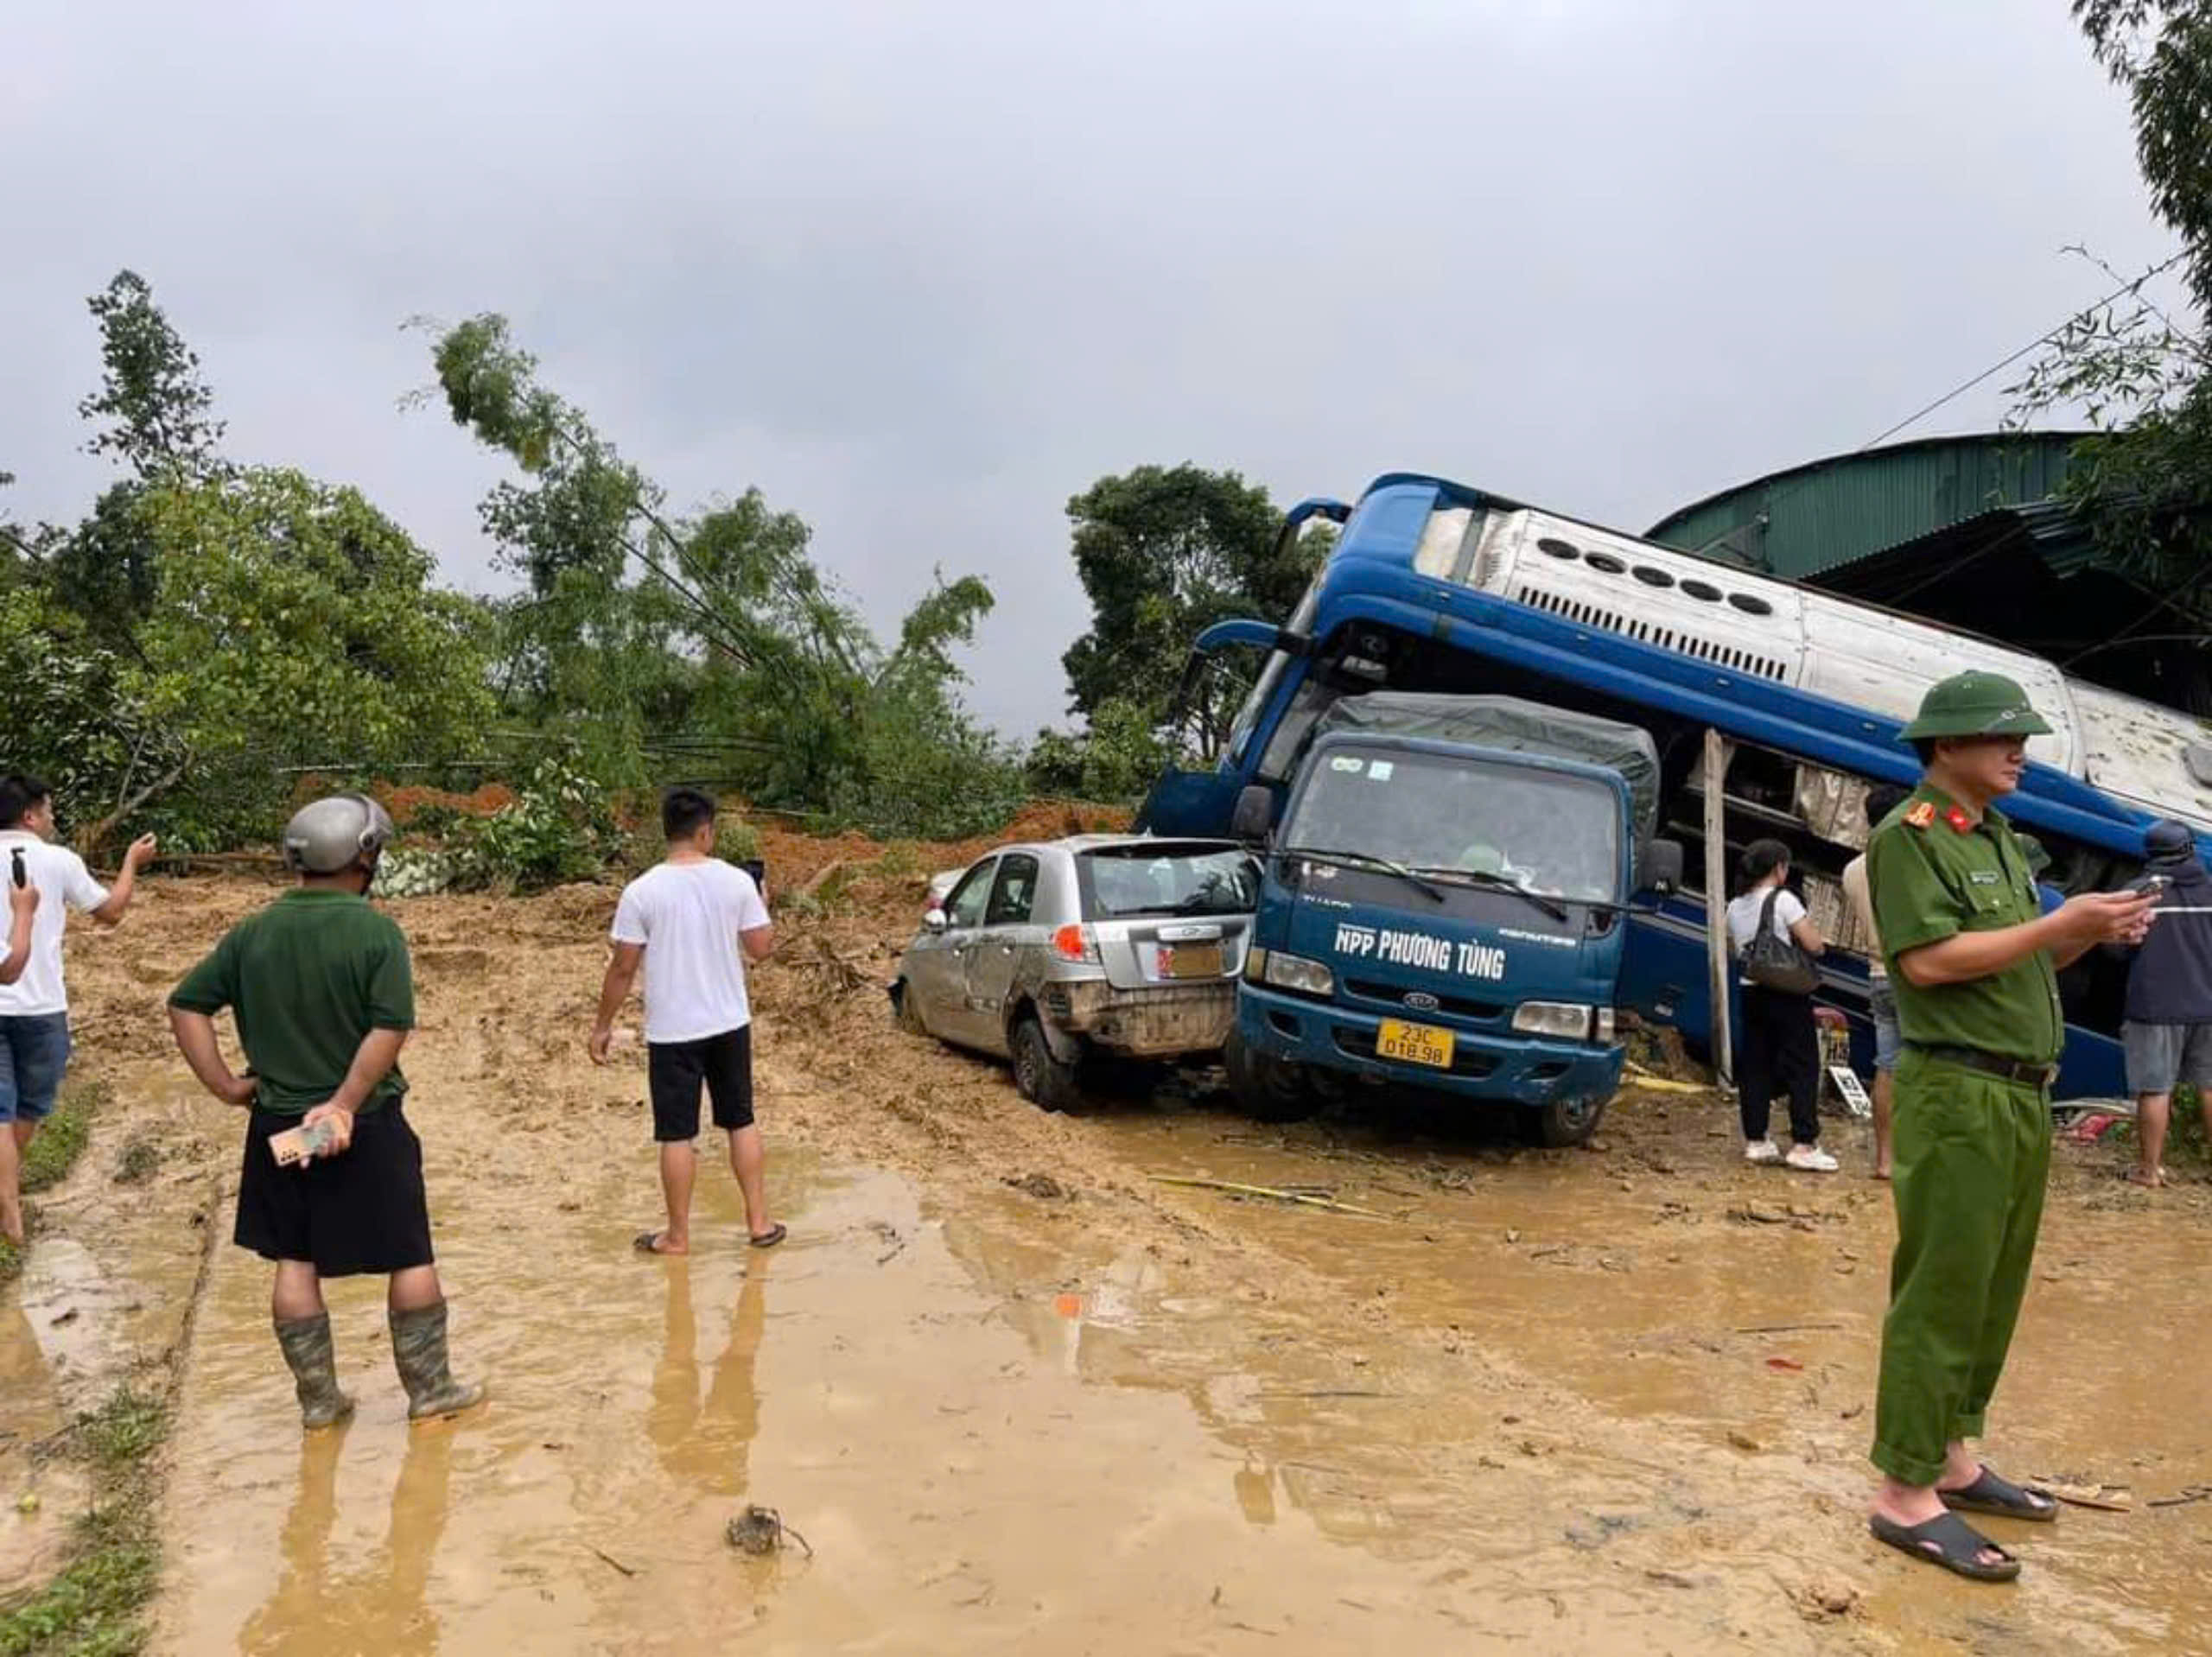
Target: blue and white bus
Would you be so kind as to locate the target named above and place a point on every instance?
(1797, 695)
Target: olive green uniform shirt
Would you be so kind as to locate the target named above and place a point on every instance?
(307, 978)
(1932, 873)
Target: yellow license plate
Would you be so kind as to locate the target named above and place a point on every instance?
(1191, 960)
(1413, 1044)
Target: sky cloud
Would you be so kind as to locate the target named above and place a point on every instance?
(923, 272)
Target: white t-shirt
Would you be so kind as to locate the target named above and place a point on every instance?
(1744, 916)
(63, 883)
(689, 916)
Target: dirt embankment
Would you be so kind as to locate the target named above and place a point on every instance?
(1020, 1395)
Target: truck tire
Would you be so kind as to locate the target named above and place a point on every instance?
(1266, 1089)
(1046, 1082)
(1567, 1122)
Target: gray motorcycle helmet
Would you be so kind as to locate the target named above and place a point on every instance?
(334, 834)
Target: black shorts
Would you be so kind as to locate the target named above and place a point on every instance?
(675, 1070)
(361, 1211)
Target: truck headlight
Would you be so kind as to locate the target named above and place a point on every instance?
(1570, 1018)
(1297, 973)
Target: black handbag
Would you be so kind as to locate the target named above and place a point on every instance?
(1773, 962)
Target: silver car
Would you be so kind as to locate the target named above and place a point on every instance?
(1115, 944)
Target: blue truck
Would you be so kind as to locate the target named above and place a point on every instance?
(1445, 904)
(1772, 707)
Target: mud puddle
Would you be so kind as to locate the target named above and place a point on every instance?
(961, 1487)
(1737, 1313)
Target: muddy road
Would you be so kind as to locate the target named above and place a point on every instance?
(1018, 1395)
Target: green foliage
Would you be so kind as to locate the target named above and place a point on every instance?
(560, 828)
(161, 423)
(62, 1141)
(725, 650)
(94, 1606)
(141, 1156)
(1116, 758)
(1163, 553)
(2144, 482)
(296, 628)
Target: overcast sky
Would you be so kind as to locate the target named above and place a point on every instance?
(921, 271)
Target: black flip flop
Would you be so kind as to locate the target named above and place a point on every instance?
(1990, 1494)
(1949, 1541)
(770, 1238)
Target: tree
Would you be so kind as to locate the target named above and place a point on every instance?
(728, 648)
(1163, 553)
(162, 424)
(2143, 481)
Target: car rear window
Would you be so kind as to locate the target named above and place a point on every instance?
(1117, 881)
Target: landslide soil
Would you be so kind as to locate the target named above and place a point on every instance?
(1018, 1394)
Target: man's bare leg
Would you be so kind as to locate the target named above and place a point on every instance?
(2153, 1111)
(11, 1195)
(415, 1288)
(298, 1291)
(24, 1131)
(679, 1169)
(748, 1160)
(1885, 1101)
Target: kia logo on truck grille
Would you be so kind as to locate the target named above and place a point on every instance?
(1421, 1001)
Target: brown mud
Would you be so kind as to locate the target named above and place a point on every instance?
(1017, 1394)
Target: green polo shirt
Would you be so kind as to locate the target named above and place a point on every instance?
(307, 978)
(1930, 875)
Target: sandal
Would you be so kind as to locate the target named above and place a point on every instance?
(770, 1237)
(648, 1242)
(1949, 1541)
(1989, 1494)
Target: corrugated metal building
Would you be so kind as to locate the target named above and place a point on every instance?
(1813, 516)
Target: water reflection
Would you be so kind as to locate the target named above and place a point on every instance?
(707, 1441)
(381, 1607)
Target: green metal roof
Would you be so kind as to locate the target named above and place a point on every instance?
(1827, 513)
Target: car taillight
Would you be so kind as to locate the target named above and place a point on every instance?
(1076, 944)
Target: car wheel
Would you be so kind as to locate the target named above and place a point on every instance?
(1568, 1122)
(1043, 1080)
(1268, 1089)
(908, 1015)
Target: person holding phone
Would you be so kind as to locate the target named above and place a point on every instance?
(323, 993)
(34, 1042)
(692, 922)
(23, 915)
(2167, 1034)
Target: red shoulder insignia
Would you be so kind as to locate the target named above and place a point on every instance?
(1922, 814)
(1958, 820)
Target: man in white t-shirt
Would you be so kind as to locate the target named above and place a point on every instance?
(693, 920)
(34, 1007)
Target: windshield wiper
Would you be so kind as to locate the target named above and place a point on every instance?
(1505, 882)
(1369, 860)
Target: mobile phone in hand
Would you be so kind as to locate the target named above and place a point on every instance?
(2151, 885)
(297, 1144)
(22, 878)
(757, 868)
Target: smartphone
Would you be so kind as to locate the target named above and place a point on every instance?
(2150, 883)
(22, 879)
(757, 868)
(297, 1144)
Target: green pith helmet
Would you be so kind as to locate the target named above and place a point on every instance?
(1975, 704)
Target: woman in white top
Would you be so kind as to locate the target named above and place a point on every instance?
(1776, 1047)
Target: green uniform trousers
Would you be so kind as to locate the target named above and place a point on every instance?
(1972, 1154)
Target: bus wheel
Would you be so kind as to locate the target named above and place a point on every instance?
(1266, 1089)
(1568, 1122)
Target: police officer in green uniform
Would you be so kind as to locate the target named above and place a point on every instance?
(1974, 960)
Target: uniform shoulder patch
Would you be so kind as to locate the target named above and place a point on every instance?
(1922, 814)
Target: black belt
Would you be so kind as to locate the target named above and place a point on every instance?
(2013, 1069)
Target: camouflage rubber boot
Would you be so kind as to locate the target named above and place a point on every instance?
(306, 1343)
(418, 1348)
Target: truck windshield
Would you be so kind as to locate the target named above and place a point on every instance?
(1555, 834)
(1139, 880)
